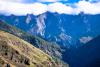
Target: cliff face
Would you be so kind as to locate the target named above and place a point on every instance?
(17, 52)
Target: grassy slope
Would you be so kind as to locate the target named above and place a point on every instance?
(20, 53)
(51, 49)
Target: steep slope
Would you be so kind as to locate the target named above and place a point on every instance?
(53, 49)
(86, 56)
(50, 48)
(19, 53)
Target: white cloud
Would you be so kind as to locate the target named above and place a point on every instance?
(88, 8)
(50, 0)
(60, 8)
(47, 0)
(22, 9)
(17, 8)
(12, 0)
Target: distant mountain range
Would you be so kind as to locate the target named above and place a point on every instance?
(67, 30)
(70, 40)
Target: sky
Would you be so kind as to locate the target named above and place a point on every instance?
(36, 7)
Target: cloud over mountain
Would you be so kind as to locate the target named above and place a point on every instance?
(18, 8)
(13, 0)
(22, 9)
(50, 0)
(47, 0)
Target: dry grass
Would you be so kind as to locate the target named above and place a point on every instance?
(34, 56)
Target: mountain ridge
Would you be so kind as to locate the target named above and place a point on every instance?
(59, 28)
(51, 49)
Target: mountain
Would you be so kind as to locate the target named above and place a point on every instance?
(63, 29)
(15, 52)
(59, 35)
(52, 49)
(87, 55)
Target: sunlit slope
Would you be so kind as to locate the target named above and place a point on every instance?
(50, 48)
(17, 52)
